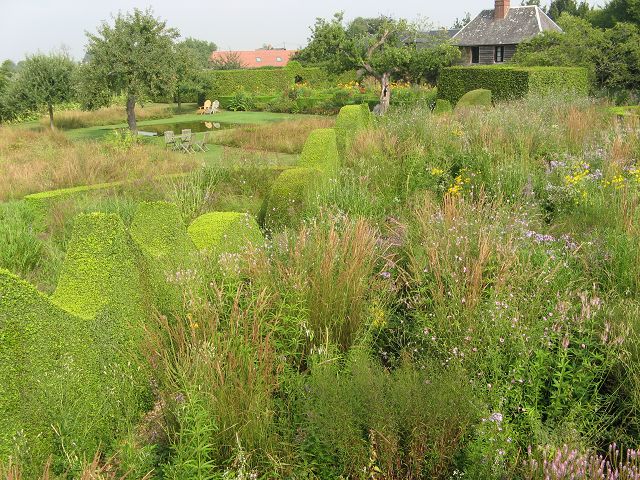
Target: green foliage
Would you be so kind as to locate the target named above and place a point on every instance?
(241, 101)
(263, 81)
(44, 81)
(442, 106)
(289, 196)
(509, 83)
(201, 50)
(225, 232)
(321, 151)
(351, 119)
(135, 57)
(102, 272)
(21, 247)
(475, 98)
(612, 56)
(160, 232)
(50, 395)
(364, 419)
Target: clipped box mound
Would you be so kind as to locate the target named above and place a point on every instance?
(289, 197)
(102, 271)
(475, 98)
(225, 232)
(351, 119)
(321, 151)
(442, 106)
(48, 365)
(159, 231)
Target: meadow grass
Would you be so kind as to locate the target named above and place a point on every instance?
(38, 161)
(71, 119)
(461, 300)
(284, 137)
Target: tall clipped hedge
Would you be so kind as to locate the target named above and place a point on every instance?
(227, 82)
(351, 119)
(225, 232)
(101, 271)
(321, 151)
(50, 377)
(509, 83)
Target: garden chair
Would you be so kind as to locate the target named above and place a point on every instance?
(186, 134)
(215, 106)
(202, 143)
(186, 146)
(203, 109)
(169, 140)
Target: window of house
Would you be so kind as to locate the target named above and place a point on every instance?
(475, 54)
(258, 59)
(278, 59)
(499, 57)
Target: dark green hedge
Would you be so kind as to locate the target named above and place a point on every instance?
(227, 82)
(509, 83)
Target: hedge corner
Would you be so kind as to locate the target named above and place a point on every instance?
(475, 98)
(321, 151)
(350, 120)
(225, 232)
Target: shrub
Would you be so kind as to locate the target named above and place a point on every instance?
(102, 271)
(509, 83)
(350, 119)
(49, 380)
(475, 98)
(159, 231)
(321, 151)
(225, 232)
(363, 421)
(289, 196)
(227, 82)
(442, 106)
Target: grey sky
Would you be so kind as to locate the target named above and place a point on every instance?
(28, 26)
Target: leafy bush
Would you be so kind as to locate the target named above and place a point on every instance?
(442, 106)
(509, 83)
(475, 98)
(225, 232)
(321, 151)
(241, 101)
(351, 119)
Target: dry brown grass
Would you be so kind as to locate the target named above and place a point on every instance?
(285, 137)
(104, 116)
(38, 161)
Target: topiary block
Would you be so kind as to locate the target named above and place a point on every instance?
(321, 151)
(475, 98)
(289, 197)
(442, 106)
(225, 232)
(102, 271)
(350, 120)
(159, 231)
(49, 367)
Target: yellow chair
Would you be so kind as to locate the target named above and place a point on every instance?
(204, 108)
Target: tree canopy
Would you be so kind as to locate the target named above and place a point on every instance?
(44, 80)
(135, 56)
(200, 49)
(382, 47)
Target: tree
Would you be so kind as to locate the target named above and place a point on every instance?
(381, 47)
(558, 7)
(612, 55)
(228, 61)
(45, 80)
(460, 23)
(186, 68)
(200, 49)
(135, 56)
(617, 11)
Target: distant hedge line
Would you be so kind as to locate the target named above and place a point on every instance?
(509, 83)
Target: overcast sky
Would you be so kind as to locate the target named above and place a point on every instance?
(29, 26)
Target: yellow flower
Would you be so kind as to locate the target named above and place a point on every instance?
(437, 172)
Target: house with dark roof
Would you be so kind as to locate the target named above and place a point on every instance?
(492, 37)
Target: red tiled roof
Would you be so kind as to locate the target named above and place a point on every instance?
(267, 58)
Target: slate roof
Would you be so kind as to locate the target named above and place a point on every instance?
(521, 24)
(267, 58)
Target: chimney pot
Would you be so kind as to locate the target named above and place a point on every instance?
(502, 9)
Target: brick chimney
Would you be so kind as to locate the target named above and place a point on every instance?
(502, 9)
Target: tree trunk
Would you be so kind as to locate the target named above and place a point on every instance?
(178, 99)
(385, 93)
(131, 114)
(51, 116)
